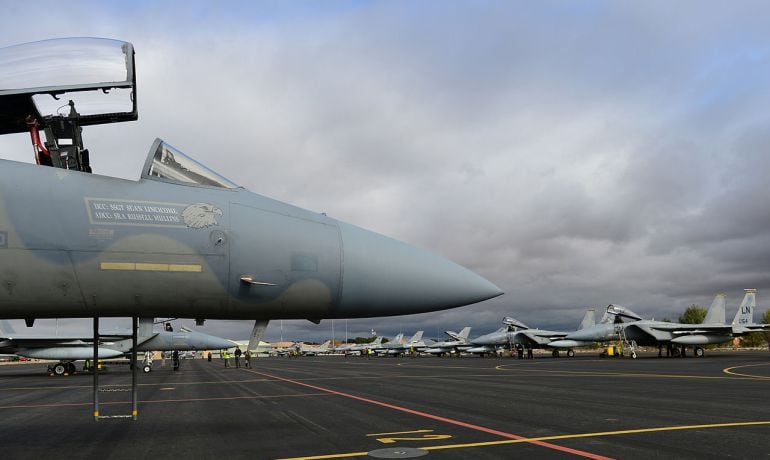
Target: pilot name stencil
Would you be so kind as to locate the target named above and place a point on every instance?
(148, 213)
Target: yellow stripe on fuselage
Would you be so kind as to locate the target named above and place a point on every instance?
(151, 267)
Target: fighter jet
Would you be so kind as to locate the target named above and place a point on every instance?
(182, 240)
(641, 332)
(398, 346)
(363, 348)
(458, 342)
(68, 349)
(515, 333)
(313, 350)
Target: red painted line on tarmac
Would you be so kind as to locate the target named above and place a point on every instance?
(503, 434)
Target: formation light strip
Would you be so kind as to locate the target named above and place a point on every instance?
(150, 267)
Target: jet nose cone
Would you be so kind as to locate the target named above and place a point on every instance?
(382, 277)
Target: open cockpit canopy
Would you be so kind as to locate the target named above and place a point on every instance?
(39, 79)
(60, 85)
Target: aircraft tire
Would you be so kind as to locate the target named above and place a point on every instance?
(59, 369)
(555, 353)
(699, 352)
(633, 355)
(147, 368)
(571, 353)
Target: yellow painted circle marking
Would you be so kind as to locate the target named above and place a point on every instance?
(729, 370)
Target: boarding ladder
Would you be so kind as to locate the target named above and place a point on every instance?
(627, 346)
(113, 388)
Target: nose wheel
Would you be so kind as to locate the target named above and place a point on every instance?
(62, 368)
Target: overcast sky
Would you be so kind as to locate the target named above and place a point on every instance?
(576, 154)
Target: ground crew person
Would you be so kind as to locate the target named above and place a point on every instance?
(226, 357)
(247, 358)
(209, 355)
(237, 357)
(175, 360)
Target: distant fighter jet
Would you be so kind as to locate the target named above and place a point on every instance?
(459, 342)
(517, 333)
(400, 347)
(362, 348)
(68, 349)
(182, 241)
(642, 332)
(313, 350)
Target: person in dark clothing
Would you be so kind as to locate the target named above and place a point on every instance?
(175, 360)
(238, 357)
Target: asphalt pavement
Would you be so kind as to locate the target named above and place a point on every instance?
(457, 408)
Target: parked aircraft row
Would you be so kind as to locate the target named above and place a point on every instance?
(617, 324)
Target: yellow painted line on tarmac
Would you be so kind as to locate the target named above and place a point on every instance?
(623, 374)
(729, 370)
(550, 438)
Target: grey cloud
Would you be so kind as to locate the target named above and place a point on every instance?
(576, 154)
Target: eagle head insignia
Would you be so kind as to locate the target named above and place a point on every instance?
(201, 215)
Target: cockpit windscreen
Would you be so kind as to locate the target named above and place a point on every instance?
(172, 165)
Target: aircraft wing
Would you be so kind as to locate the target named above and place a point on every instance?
(676, 328)
(540, 338)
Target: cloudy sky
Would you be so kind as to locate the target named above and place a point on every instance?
(576, 154)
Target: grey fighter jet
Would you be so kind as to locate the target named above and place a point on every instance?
(639, 331)
(515, 333)
(398, 346)
(459, 342)
(68, 349)
(312, 350)
(181, 241)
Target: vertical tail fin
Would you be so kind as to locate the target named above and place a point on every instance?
(588, 320)
(416, 337)
(398, 339)
(377, 341)
(464, 333)
(745, 313)
(716, 312)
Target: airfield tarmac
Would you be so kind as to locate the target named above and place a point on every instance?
(337, 407)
